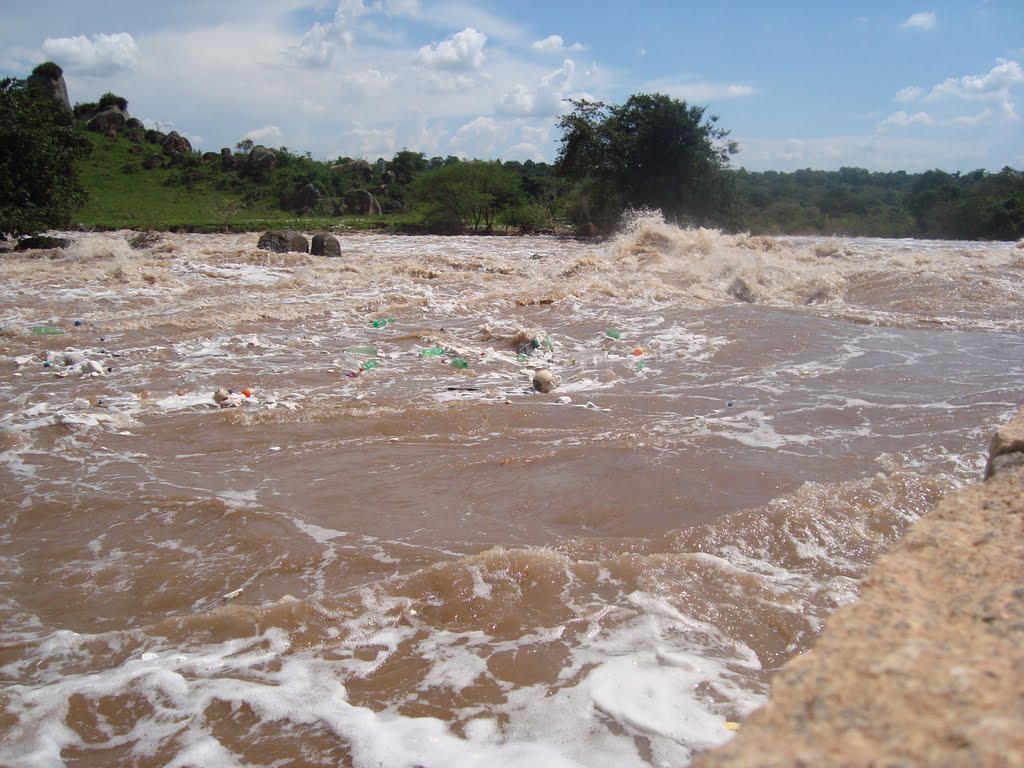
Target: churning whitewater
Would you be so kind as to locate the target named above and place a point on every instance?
(270, 509)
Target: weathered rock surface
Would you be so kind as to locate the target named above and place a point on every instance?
(361, 202)
(175, 143)
(545, 381)
(325, 245)
(108, 122)
(283, 241)
(927, 667)
(302, 199)
(51, 81)
(261, 160)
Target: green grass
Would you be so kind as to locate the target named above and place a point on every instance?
(123, 195)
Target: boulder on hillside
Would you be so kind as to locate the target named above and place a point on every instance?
(361, 168)
(174, 143)
(261, 159)
(283, 241)
(361, 202)
(108, 121)
(302, 200)
(49, 78)
(134, 130)
(325, 244)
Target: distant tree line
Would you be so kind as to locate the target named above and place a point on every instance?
(852, 201)
(652, 152)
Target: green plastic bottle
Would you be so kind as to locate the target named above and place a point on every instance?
(378, 323)
(436, 351)
(369, 365)
(46, 330)
(612, 334)
(458, 362)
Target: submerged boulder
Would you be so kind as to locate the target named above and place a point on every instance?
(545, 381)
(283, 241)
(325, 245)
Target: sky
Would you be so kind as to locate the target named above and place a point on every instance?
(817, 84)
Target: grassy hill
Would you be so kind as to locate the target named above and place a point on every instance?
(191, 193)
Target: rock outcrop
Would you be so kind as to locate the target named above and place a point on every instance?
(927, 667)
(362, 203)
(325, 245)
(174, 143)
(49, 78)
(283, 241)
(261, 160)
(302, 200)
(108, 121)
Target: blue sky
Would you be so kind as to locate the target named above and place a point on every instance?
(881, 85)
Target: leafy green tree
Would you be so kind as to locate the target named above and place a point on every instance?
(39, 145)
(472, 193)
(407, 165)
(651, 152)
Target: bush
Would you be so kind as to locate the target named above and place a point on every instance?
(108, 100)
(48, 69)
(39, 186)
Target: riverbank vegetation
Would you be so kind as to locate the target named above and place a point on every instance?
(651, 152)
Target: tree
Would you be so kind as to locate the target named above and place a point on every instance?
(652, 152)
(471, 193)
(39, 146)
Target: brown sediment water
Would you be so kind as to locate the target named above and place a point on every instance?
(372, 557)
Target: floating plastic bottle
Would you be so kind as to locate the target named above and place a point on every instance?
(535, 343)
(436, 351)
(369, 365)
(612, 334)
(523, 358)
(46, 330)
(379, 323)
(641, 365)
(547, 343)
(458, 362)
(363, 351)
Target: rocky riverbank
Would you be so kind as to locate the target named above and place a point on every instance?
(927, 667)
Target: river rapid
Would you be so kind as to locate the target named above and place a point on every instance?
(380, 546)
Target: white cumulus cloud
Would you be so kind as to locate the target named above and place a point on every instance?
(555, 44)
(544, 99)
(702, 92)
(98, 55)
(903, 119)
(995, 86)
(910, 93)
(268, 133)
(316, 49)
(463, 51)
(925, 20)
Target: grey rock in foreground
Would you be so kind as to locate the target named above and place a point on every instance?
(927, 667)
(325, 245)
(283, 241)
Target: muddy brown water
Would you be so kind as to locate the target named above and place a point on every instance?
(375, 558)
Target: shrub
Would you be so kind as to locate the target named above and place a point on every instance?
(108, 100)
